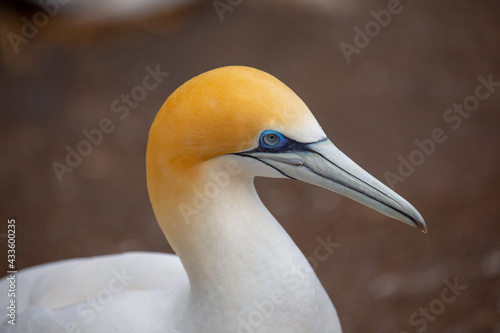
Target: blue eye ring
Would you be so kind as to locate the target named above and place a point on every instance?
(272, 139)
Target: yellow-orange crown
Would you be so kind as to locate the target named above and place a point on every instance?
(219, 112)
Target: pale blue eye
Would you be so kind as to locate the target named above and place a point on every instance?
(271, 139)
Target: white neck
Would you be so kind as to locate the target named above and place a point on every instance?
(243, 266)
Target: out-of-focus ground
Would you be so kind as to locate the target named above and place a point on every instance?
(393, 92)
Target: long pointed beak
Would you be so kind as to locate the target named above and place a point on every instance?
(323, 164)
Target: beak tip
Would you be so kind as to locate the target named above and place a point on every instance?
(414, 216)
(420, 224)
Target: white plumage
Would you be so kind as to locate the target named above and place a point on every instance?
(240, 270)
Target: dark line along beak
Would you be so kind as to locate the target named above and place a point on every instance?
(323, 164)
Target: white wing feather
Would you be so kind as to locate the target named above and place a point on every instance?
(131, 291)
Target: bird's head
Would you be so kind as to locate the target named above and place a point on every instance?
(246, 113)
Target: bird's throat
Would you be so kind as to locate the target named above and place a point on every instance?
(235, 253)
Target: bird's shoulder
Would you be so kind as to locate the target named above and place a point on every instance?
(78, 291)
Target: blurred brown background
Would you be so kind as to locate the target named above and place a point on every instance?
(65, 77)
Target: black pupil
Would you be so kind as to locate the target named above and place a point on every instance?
(271, 139)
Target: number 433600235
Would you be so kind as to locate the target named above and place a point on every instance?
(11, 243)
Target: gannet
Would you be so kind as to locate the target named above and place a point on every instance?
(236, 268)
